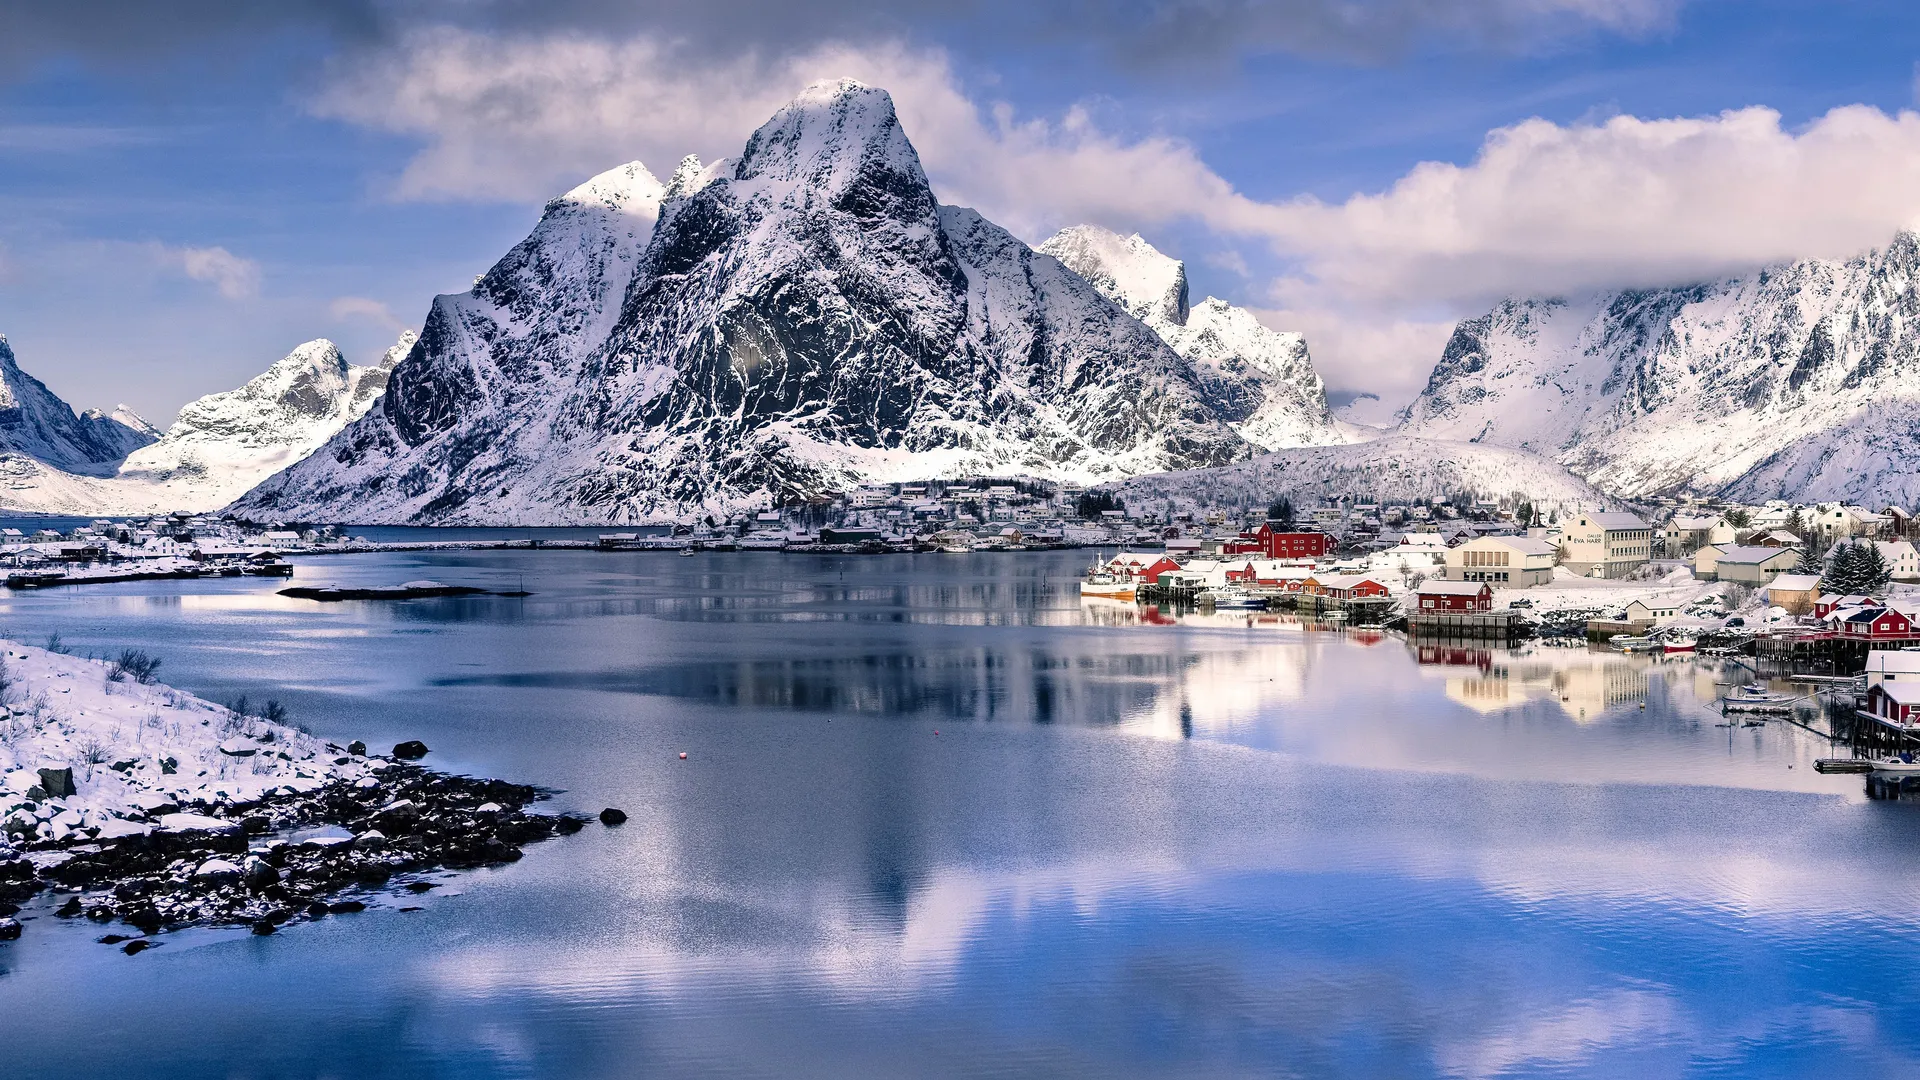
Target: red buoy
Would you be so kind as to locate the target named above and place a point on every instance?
(683, 755)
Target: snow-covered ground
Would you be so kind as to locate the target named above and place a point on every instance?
(136, 748)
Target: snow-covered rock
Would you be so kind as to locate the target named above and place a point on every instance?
(1261, 380)
(139, 751)
(796, 321)
(1801, 381)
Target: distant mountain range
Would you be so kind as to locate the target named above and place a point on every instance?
(1800, 381)
(808, 317)
(52, 461)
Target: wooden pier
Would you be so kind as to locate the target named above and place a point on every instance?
(1494, 625)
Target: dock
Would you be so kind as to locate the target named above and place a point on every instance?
(1494, 625)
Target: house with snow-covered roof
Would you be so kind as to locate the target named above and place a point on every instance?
(1507, 562)
(1794, 592)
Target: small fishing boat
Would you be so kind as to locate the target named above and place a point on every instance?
(1681, 644)
(1231, 598)
(1754, 697)
(1108, 586)
(688, 553)
(1903, 765)
(1632, 643)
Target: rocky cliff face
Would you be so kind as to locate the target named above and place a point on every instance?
(1261, 381)
(1800, 381)
(799, 320)
(36, 424)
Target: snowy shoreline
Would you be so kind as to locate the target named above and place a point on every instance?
(160, 810)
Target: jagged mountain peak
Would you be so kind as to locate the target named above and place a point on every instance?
(1261, 380)
(829, 138)
(36, 423)
(1128, 270)
(1801, 380)
(797, 320)
(626, 188)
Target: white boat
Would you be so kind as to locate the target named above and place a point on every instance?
(1754, 697)
(1897, 767)
(1110, 586)
(1681, 644)
(1231, 598)
(1631, 643)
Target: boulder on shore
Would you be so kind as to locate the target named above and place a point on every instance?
(411, 750)
(57, 783)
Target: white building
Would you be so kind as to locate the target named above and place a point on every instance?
(1607, 545)
(1892, 665)
(1514, 562)
(1902, 558)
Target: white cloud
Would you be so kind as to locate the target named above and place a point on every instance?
(373, 311)
(235, 276)
(523, 118)
(1383, 354)
(1547, 208)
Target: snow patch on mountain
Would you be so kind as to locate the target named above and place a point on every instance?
(1262, 380)
(1801, 381)
(794, 322)
(1396, 467)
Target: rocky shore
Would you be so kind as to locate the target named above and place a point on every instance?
(131, 804)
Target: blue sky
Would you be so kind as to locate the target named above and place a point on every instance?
(183, 201)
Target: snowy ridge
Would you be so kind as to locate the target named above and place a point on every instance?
(224, 444)
(1394, 467)
(1261, 380)
(791, 323)
(221, 445)
(1801, 381)
(36, 424)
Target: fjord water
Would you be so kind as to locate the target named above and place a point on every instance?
(940, 818)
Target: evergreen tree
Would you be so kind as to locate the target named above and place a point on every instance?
(1842, 573)
(1856, 567)
(1809, 563)
(1797, 523)
(1282, 512)
(1874, 571)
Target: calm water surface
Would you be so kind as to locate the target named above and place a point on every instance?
(939, 818)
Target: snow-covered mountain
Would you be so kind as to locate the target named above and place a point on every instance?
(797, 321)
(224, 444)
(1393, 467)
(36, 424)
(1801, 381)
(1261, 380)
(220, 446)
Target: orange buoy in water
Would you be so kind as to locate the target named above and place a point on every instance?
(683, 755)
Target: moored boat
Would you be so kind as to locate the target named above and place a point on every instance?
(1110, 586)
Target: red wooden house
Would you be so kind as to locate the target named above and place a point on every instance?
(1343, 587)
(1292, 545)
(1463, 596)
(1895, 702)
(1877, 624)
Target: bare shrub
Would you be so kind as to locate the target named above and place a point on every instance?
(56, 645)
(135, 664)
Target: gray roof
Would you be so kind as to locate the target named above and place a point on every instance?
(1618, 521)
(1747, 554)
